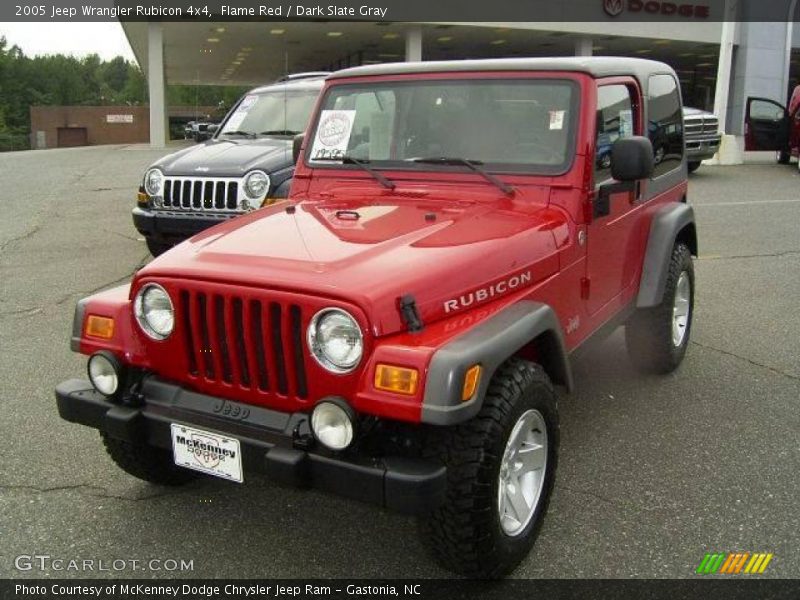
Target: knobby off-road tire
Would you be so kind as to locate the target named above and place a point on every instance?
(655, 337)
(145, 462)
(466, 534)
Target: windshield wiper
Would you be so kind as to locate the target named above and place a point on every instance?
(280, 132)
(472, 164)
(249, 134)
(380, 177)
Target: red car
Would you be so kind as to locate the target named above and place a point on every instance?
(395, 333)
(771, 126)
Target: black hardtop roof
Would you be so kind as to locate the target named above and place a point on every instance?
(596, 66)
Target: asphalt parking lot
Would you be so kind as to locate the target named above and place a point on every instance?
(654, 471)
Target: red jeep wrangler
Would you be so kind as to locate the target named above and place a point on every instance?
(394, 333)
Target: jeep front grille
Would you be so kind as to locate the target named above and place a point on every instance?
(244, 340)
(700, 125)
(201, 193)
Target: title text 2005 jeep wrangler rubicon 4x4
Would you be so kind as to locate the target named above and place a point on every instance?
(394, 332)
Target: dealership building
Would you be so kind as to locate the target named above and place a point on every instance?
(722, 57)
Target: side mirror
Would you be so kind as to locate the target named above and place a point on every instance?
(632, 158)
(212, 127)
(297, 145)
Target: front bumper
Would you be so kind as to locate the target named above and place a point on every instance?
(275, 443)
(172, 227)
(703, 148)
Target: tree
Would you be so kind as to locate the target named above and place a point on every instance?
(65, 80)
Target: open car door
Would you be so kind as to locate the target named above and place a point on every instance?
(766, 125)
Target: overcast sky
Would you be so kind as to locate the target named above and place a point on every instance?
(79, 39)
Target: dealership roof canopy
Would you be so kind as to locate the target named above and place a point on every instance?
(253, 52)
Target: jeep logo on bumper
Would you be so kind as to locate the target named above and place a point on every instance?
(483, 294)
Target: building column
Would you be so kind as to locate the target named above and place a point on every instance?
(414, 44)
(156, 85)
(722, 90)
(583, 46)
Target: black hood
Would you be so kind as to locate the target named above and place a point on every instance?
(229, 157)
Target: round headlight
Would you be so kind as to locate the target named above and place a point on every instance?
(256, 184)
(153, 182)
(335, 340)
(332, 425)
(154, 311)
(104, 373)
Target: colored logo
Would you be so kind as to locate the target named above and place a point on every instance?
(734, 563)
(612, 7)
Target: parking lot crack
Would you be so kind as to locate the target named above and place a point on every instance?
(744, 256)
(618, 503)
(108, 284)
(22, 312)
(749, 360)
(28, 234)
(122, 235)
(93, 490)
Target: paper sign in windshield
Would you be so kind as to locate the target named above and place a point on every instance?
(247, 102)
(241, 112)
(556, 119)
(333, 134)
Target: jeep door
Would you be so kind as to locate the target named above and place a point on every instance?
(766, 125)
(610, 234)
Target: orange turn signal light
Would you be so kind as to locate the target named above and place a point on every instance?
(399, 380)
(142, 198)
(100, 327)
(471, 380)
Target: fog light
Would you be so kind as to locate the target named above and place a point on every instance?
(104, 372)
(333, 425)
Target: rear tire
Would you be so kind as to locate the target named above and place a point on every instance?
(783, 157)
(657, 337)
(156, 248)
(147, 463)
(693, 165)
(506, 454)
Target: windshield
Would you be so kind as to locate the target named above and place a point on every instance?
(506, 125)
(272, 113)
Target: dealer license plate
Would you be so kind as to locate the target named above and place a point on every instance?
(207, 452)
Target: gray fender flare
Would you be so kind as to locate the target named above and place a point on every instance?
(490, 344)
(666, 227)
(77, 325)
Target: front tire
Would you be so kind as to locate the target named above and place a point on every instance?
(657, 337)
(501, 467)
(693, 165)
(147, 463)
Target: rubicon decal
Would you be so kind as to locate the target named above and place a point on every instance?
(486, 293)
(734, 563)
